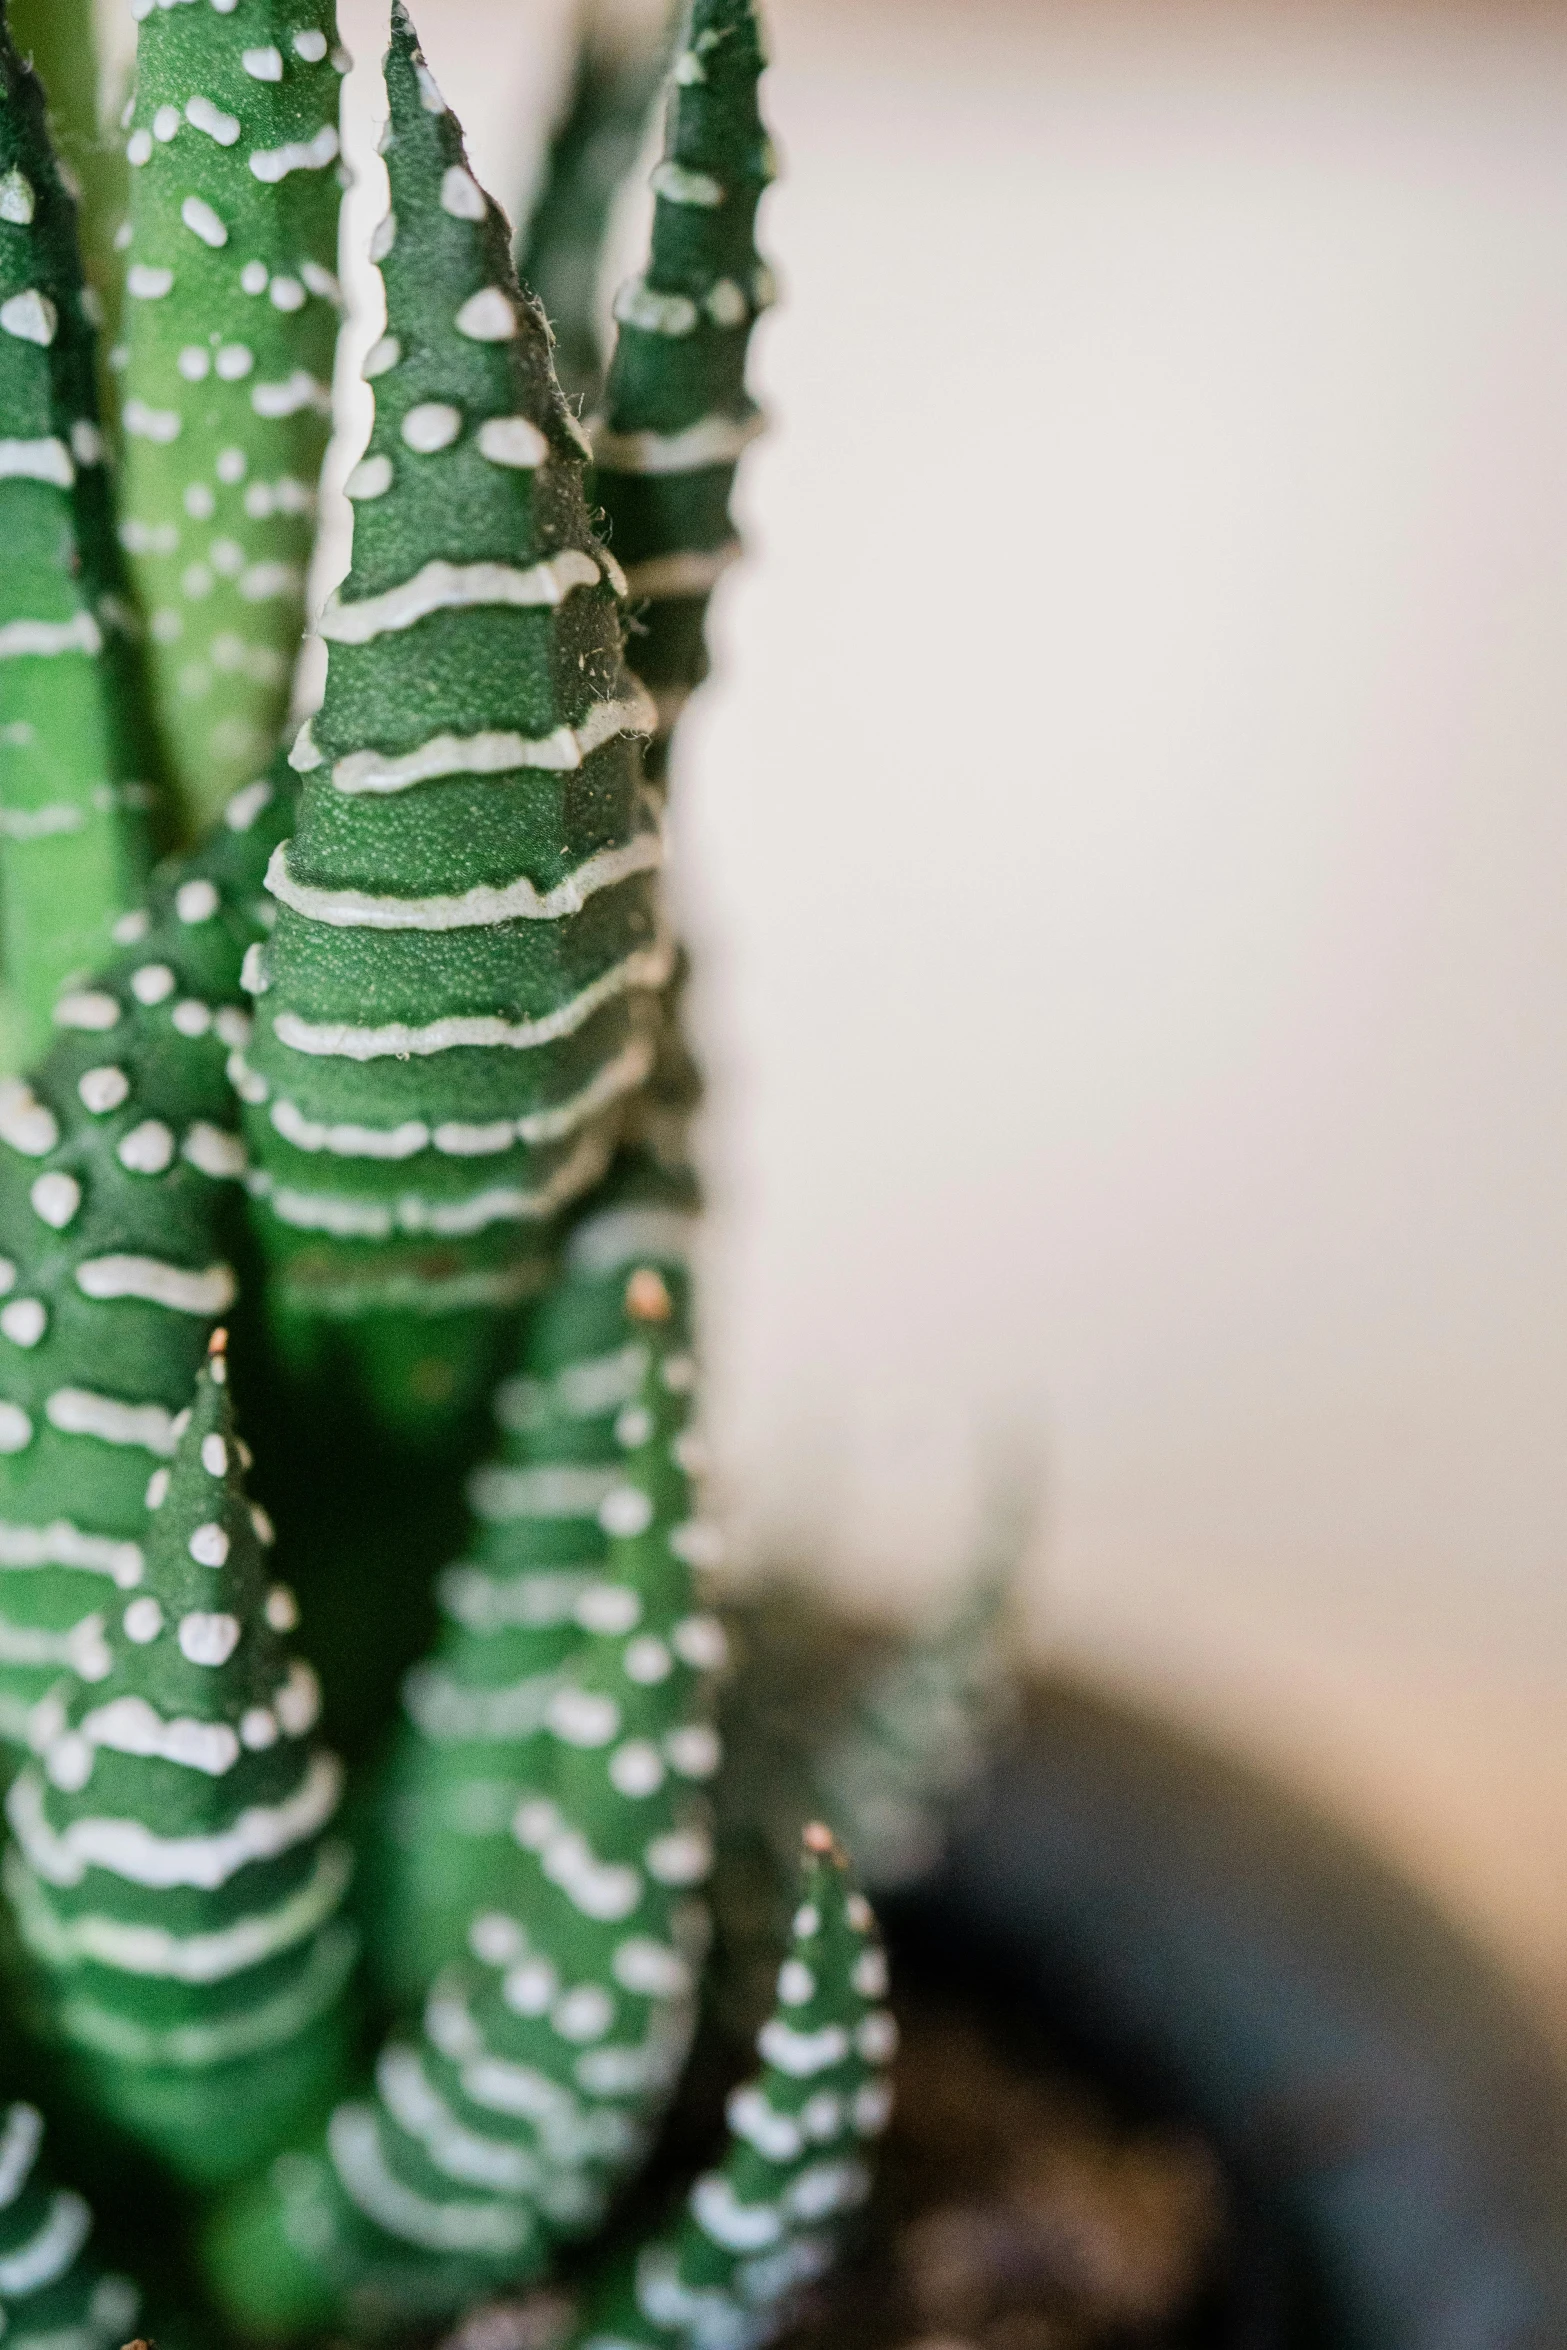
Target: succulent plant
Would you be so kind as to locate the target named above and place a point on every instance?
(373, 1102)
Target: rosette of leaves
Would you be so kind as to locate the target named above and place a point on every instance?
(676, 414)
(769, 2218)
(74, 799)
(552, 2043)
(118, 1166)
(230, 324)
(55, 2288)
(174, 1871)
(456, 1002)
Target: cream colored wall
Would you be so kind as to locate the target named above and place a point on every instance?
(1128, 850)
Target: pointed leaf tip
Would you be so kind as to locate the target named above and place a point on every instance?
(405, 64)
(647, 1296)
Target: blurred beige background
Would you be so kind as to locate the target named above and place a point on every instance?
(1128, 849)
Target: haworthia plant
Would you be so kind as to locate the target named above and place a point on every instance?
(768, 2218)
(457, 1000)
(475, 1710)
(552, 2044)
(619, 56)
(117, 1163)
(74, 832)
(230, 323)
(467, 1088)
(676, 412)
(55, 2291)
(174, 1872)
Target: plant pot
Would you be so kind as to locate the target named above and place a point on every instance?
(1393, 2125)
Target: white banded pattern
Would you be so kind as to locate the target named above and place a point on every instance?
(424, 1293)
(484, 1603)
(452, 1140)
(690, 571)
(45, 2257)
(348, 1217)
(499, 1493)
(495, 752)
(80, 1411)
(45, 639)
(452, 1712)
(126, 1848)
(183, 1958)
(775, 2232)
(443, 587)
(584, 1389)
(272, 164)
(20, 2140)
(63, 1544)
(678, 185)
(44, 459)
(183, 1291)
(619, 1236)
(713, 440)
(647, 967)
(500, 2230)
(249, 2032)
(484, 906)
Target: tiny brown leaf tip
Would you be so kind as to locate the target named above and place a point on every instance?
(218, 1343)
(647, 1296)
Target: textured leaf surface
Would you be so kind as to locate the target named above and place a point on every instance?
(676, 413)
(75, 739)
(54, 2287)
(118, 1162)
(230, 323)
(552, 2042)
(175, 1872)
(457, 1000)
(768, 2219)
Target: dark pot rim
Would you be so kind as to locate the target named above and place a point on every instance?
(1394, 2119)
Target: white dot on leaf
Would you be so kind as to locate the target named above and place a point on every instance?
(208, 1639)
(282, 1609)
(143, 1621)
(487, 317)
(461, 195)
(431, 426)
